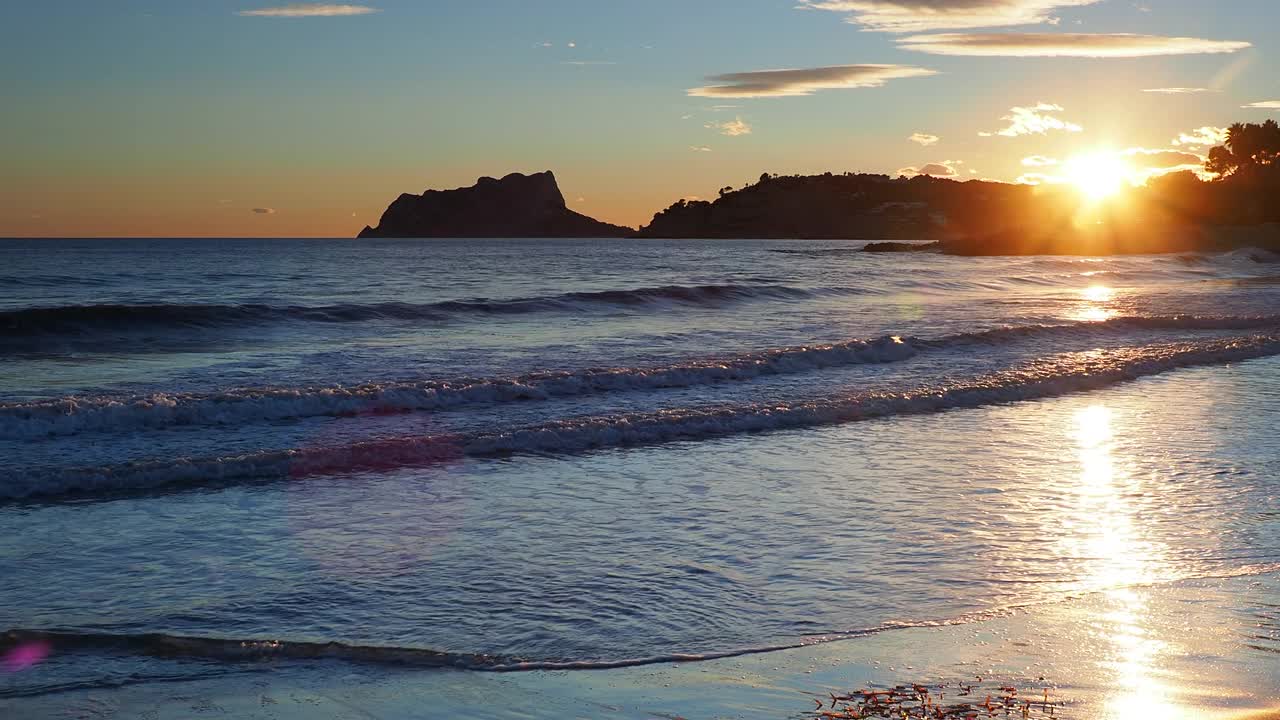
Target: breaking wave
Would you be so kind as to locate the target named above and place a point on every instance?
(72, 415)
(1046, 377)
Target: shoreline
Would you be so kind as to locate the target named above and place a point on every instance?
(1061, 647)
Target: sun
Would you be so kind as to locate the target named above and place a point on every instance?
(1099, 175)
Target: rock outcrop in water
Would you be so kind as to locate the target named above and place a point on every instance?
(516, 206)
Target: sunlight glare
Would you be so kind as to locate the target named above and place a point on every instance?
(1098, 293)
(1099, 175)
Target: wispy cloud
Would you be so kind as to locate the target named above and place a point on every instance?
(1083, 45)
(1178, 90)
(1039, 161)
(732, 128)
(296, 10)
(1202, 137)
(264, 211)
(1264, 105)
(923, 139)
(804, 81)
(1039, 179)
(699, 148)
(1145, 159)
(587, 62)
(1034, 120)
(924, 15)
(945, 168)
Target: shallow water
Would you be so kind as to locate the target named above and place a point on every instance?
(494, 453)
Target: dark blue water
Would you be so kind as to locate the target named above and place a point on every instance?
(487, 453)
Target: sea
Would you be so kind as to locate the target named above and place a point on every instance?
(224, 457)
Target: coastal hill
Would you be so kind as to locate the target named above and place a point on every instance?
(515, 206)
(1175, 212)
(828, 206)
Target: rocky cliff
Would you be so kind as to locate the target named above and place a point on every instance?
(515, 206)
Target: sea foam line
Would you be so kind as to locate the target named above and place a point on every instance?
(259, 649)
(72, 415)
(1056, 375)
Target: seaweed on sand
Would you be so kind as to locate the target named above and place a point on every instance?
(960, 701)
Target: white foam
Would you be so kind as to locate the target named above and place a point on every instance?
(1057, 375)
(73, 415)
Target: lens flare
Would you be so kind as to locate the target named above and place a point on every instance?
(1098, 175)
(26, 655)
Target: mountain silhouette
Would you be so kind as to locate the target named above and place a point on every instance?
(516, 206)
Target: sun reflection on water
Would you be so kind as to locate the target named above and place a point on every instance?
(1094, 308)
(1098, 293)
(1106, 533)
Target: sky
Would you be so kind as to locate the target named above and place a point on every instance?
(263, 118)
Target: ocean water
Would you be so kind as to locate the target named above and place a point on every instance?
(571, 454)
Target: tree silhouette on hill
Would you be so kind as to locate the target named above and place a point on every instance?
(1250, 147)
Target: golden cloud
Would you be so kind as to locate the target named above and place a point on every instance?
(925, 15)
(1082, 45)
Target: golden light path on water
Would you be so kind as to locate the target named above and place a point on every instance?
(1095, 307)
(1106, 530)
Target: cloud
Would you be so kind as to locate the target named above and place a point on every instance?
(294, 10)
(264, 211)
(804, 81)
(1178, 90)
(946, 168)
(1033, 120)
(587, 62)
(923, 139)
(1205, 136)
(924, 15)
(1039, 179)
(1084, 45)
(1039, 161)
(1143, 159)
(699, 148)
(732, 128)
(1264, 105)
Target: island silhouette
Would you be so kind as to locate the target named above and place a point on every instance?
(1176, 212)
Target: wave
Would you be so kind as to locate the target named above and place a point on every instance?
(816, 252)
(72, 415)
(257, 649)
(166, 645)
(93, 319)
(1047, 377)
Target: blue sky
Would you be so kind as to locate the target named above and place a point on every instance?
(181, 118)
